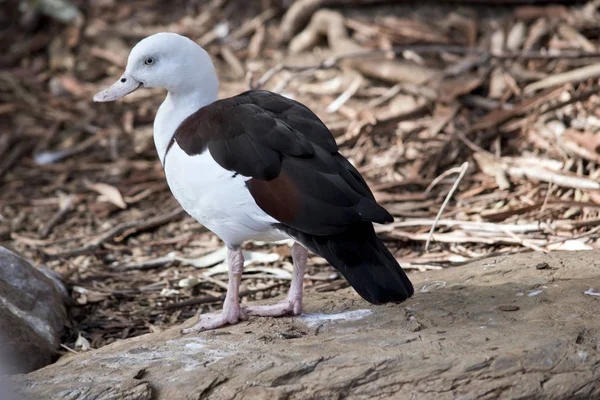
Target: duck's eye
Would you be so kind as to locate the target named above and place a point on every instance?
(149, 61)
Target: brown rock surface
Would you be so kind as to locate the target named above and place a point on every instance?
(497, 328)
(32, 314)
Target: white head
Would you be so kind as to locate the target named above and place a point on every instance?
(166, 60)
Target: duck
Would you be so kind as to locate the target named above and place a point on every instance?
(259, 166)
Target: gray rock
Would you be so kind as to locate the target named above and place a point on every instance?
(7, 391)
(495, 329)
(32, 314)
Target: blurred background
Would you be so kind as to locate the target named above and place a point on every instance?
(495, 98)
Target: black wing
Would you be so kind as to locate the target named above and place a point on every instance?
(296, 173)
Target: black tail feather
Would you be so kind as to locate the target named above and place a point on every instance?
(362, 258)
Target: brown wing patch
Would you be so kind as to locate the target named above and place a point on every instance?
(279, 197)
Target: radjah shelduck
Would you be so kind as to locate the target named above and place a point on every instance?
(259, 166)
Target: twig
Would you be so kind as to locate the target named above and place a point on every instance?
(233, 61)
(441, 177)
(109, 56)
(521, 168)
(466, 237)
(18, 150)
(49, 157)
(346, 95)
(486, 226)
(218, 299)
(68, 349)
(214, 281)
(329, 287)
(150, 223)
(65, 206)
(384, 98)
(147, 264)
(255, 23)
(332, 62)
(126, 228)
(502, 215)
(300, 11)
(581, 236)
(546, 197)
(524, 242)
(463, 170)
(327, 64)
(526, 250)
(573, 76)
(420, 267)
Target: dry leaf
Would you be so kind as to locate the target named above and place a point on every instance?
(583, 144)
(516, 36)
(497, 84)
(108, 193)
(218, 257)
(452, 87)
(278, 272)
(82, 344)
(594, 196)
(570, 245)
(188, 282)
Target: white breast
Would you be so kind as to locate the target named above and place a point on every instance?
(217, 199)
(208, 192)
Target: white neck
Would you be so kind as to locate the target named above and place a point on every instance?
(173, 111)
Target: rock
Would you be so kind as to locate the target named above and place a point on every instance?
(450, 341)
(6, 388)
(32, 314)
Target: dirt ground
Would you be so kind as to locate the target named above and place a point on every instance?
(501, 101)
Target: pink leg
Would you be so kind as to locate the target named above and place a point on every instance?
(232, 312)
(292, 305)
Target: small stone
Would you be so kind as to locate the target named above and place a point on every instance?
(542, 265)
(508, 308)
(290, 335)
(140, 374)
